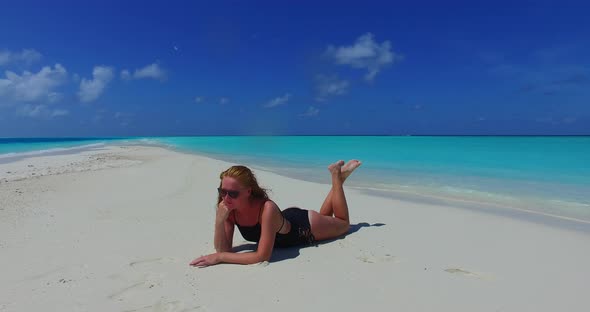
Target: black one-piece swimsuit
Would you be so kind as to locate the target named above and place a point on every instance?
(300, 233)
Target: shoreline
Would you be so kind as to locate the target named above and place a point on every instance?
(534, 198)
(541, 196)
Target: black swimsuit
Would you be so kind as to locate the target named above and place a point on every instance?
(300, 233)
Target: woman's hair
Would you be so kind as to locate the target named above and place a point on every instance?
(247, 178)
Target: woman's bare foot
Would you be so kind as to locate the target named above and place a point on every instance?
(335, 165)
(336, 170)
(349, 167)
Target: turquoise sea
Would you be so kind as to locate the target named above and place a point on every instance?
(529, 174)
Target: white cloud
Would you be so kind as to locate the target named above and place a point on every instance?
(125, 74)
(40, 111)
(223, 100)
(311, 112)
(365, 53)
(59, 112)
(91, 89)
(330, 86)
(30, 87)
(150, 71)
(6, 86)
(281, 100)
(54, 97)
(26, 56)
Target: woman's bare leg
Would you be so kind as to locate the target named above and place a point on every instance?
(326, 227)
(339, 204)
(347, 169)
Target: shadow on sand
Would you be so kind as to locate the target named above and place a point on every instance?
(280, 254)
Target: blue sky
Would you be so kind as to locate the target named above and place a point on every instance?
(251, 67)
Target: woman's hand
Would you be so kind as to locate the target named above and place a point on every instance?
(204, 261)
(222, 212)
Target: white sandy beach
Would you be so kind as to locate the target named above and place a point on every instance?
(114, 230)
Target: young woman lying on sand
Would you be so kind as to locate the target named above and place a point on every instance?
(242, 202)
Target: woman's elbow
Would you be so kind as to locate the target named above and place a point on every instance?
(263, 256)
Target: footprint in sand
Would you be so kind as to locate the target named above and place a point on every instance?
(369, 257)
(64, 275)
(170, 306)
(146, 283)
(466, 273)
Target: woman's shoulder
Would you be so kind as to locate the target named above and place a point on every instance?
(270, 211)
(268, 207)
(269, 204)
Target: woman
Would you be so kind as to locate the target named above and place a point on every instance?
(243, 203)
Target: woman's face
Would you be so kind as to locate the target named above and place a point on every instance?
(231, 188)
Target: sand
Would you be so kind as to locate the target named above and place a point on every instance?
(114, 229)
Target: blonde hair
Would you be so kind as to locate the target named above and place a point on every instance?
(247, 178)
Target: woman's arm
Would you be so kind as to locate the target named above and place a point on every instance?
(224, 229)
(270, 222)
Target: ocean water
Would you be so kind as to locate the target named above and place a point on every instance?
(537, 175)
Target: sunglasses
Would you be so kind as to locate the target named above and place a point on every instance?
(232, 193)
